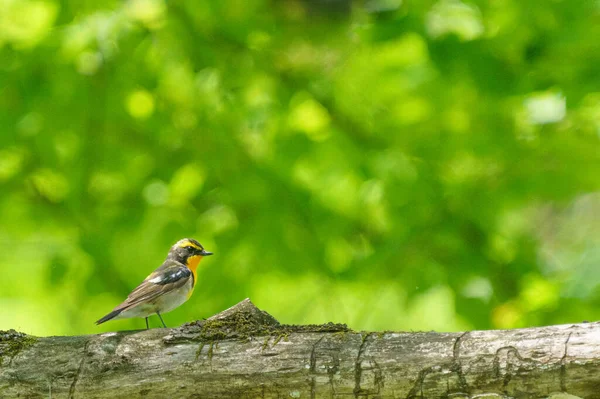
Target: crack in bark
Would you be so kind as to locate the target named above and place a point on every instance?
(358, 365)
(79, 369)
(563, 366)
(418, 385)
(496, 364)
(507, 378)
(379, 379)
(510, 350)
(313, 367)
(313, 356)
(332, 371)
(457, 364)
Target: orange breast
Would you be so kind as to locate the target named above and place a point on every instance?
(192, 264)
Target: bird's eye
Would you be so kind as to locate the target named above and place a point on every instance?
(189, 248)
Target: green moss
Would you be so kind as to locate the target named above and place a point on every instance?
(245, 322)
(13, 342)
(210, 351)
(283, 335)
(341, 334)
(242, 326)
(266, 343)
(199, 351)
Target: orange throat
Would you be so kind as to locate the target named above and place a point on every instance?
(192, 264)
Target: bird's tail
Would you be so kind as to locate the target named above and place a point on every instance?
(110, 316)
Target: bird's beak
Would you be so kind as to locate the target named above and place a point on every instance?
(205, 253)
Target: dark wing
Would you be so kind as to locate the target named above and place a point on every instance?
(170, 276)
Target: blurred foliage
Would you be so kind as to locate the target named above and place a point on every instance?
(395, 165)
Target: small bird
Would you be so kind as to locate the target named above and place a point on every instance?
(167, 287)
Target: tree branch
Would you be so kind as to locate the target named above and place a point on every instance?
(244, 352)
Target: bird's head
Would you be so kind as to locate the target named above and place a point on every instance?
(188, 251)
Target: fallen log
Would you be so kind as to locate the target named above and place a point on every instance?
(244, 352)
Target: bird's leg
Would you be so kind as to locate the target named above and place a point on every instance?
(147, 326)
(162, 321)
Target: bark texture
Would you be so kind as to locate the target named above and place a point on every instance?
(243, 352)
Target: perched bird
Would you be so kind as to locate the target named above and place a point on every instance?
(167, 287)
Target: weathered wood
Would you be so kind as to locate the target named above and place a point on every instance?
(243, 352)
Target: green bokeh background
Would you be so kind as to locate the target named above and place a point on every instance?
(389, 164)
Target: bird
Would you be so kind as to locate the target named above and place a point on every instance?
(167, 287)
